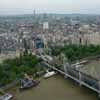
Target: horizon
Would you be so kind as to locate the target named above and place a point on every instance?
(25, 14)
(17, 7)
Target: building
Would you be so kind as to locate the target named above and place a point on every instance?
(45, 25)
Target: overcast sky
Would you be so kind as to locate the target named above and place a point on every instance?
(49, 6)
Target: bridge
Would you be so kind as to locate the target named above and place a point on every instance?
(69, 71)
(95, 86)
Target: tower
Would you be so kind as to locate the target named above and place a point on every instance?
(45, 22)
(45, 25)
(34, 13)
(34, 16)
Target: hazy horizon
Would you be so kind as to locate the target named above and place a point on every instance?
(17, 7)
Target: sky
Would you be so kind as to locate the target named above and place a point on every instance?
(8, 7)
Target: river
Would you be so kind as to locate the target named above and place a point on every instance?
(56, 88)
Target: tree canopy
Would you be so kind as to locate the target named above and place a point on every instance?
(76, 52)
(13, 69)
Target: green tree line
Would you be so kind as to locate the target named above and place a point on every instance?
(13, 69)
(76, 52)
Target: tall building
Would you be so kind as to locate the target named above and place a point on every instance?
(39, 43)
(34, 12)
(34, 17)
(45, 22)
(45, 25)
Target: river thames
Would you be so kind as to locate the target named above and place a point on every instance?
(56, 88)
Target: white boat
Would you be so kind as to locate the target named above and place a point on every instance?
(6, 97)
(49, 74)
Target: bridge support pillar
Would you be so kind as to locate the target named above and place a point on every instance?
(65, 69)
(80, 79)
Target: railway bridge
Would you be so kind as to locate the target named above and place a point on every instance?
(78, 76)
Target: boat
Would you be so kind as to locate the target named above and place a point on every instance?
(6, 97)
(26, 83)
(49, 74)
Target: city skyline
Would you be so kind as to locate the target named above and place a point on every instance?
(8, 7)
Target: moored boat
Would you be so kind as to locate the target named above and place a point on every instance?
(49, 74)
(26, 83)
(7, 96)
